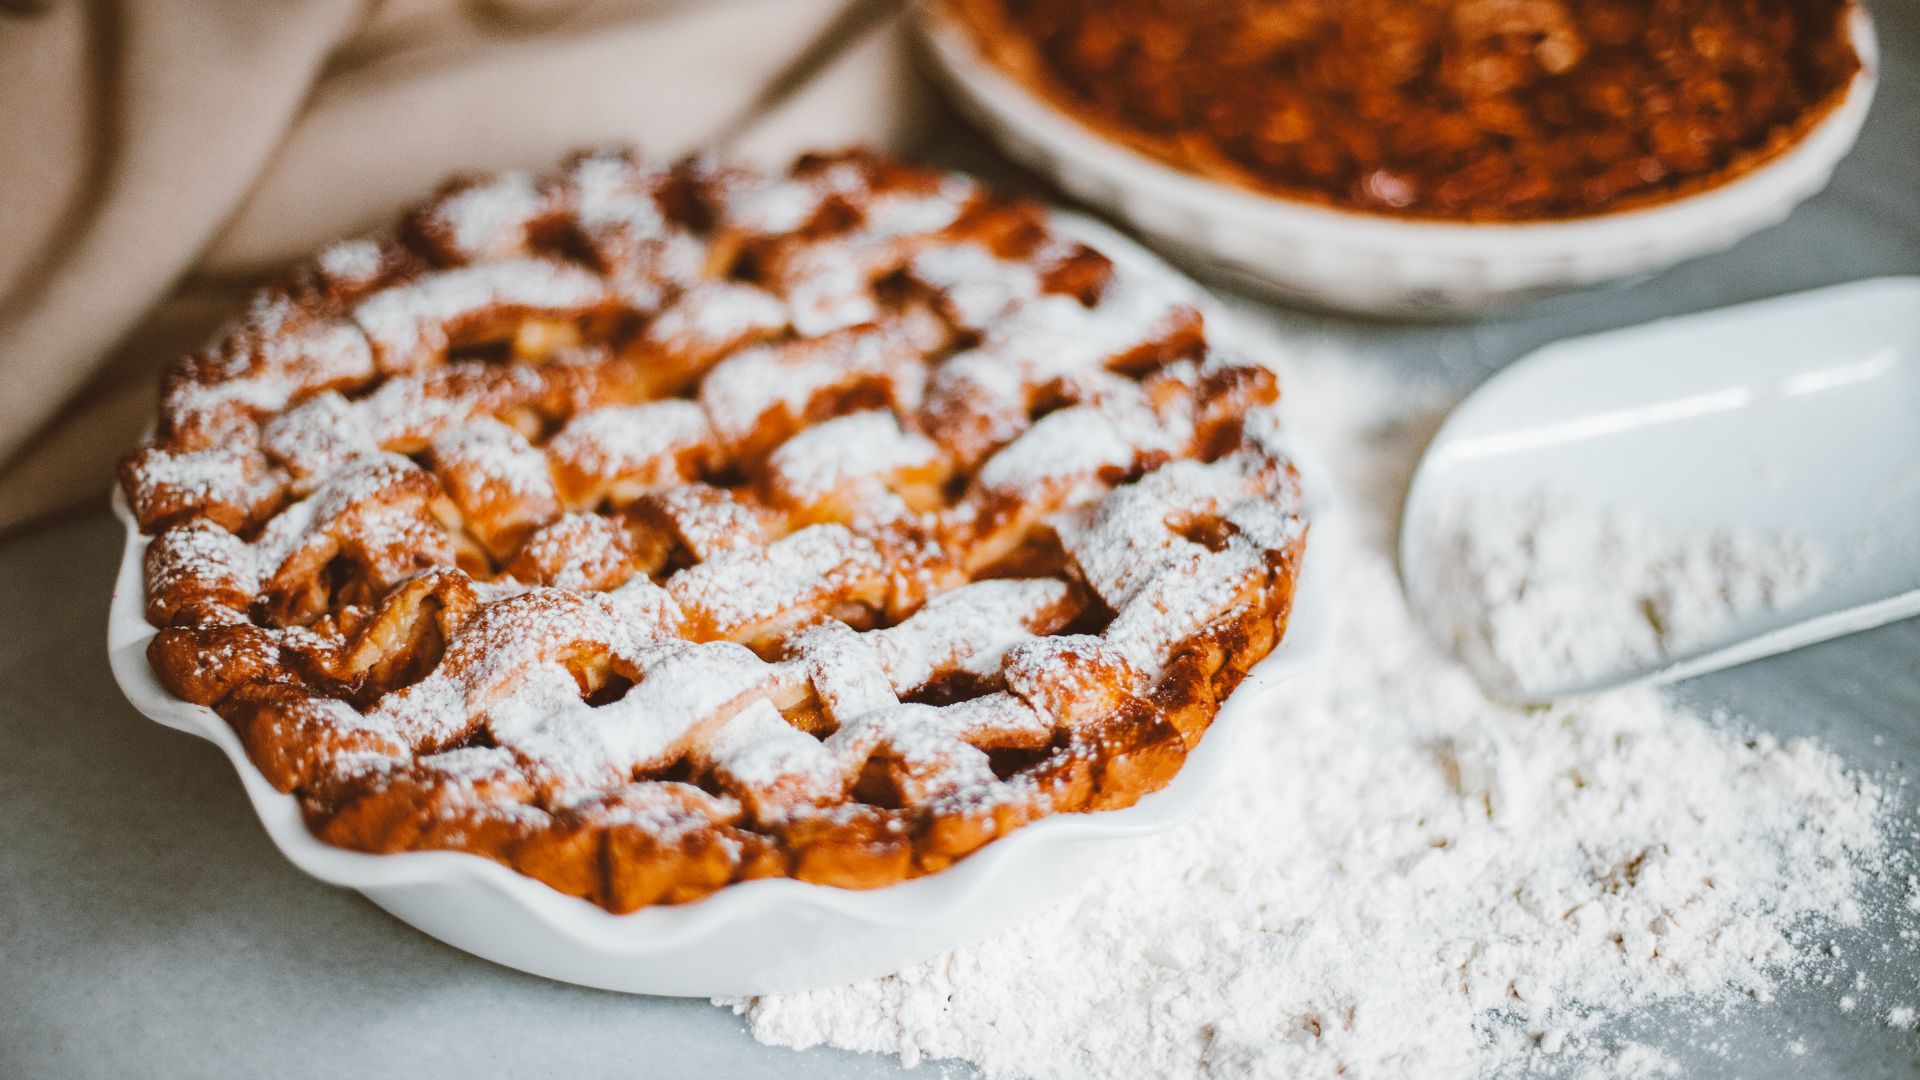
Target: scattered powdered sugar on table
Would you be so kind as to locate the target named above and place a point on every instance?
(1537, 591)
(1400, 876)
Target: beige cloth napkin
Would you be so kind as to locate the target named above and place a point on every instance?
(158, 158)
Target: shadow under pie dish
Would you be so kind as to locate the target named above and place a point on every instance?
(1409, 158)
(665, 533)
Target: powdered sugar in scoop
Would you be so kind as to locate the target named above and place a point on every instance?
(1540, 591)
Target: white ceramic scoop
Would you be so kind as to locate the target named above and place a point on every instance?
(1797, 416)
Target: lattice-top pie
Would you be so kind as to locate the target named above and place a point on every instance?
(650, 529)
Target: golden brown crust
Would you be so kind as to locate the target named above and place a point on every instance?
(603, 526)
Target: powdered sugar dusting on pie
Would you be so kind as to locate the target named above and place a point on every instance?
(649, 529)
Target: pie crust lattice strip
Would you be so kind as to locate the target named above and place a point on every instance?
(649, 529)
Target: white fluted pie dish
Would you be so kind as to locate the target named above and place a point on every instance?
(1368, 263)
(759, 936)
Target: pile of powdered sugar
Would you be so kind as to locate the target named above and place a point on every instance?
(1400, 876)
(1538, 591)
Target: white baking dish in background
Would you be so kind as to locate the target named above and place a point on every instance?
(759, 936)
(1369, 263)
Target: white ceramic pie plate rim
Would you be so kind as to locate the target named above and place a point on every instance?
(919, 903)
(697, 948)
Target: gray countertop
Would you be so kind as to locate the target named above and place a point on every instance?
(148, 928)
